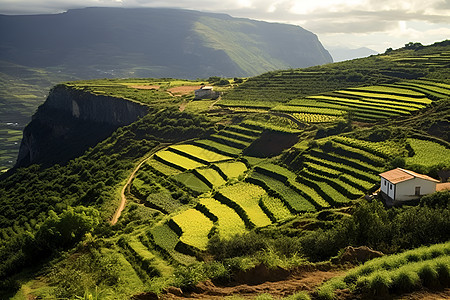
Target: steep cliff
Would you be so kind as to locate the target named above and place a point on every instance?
(70, 121)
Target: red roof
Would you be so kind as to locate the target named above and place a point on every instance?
(399, 175)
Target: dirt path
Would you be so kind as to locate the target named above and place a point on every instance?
(123, 198)
(304, 281)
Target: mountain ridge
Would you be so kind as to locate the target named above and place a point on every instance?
(157, 42)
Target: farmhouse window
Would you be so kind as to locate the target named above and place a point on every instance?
(384, 182)
(417, 191)
(390, 186)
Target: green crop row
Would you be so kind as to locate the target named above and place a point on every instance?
(218, 147)
(276, 171)
(342, 187)
(364, 108)
(322, 170)
(249, 104)
(228, 223)
(200, 154)
(237, 136)
(366, 103)
(326, 191)
(191, 181)
(294, 201)
(219, 138)
(361, 173)
(230, 170)
(315, 118)
(392, 97)
(162, 167)
(211, 177)
(356, 153)
(309, 193)
(274, 208)
(244, 130)
(309, 110)
(195, 228)
(346, 160)
(247, 196)
(177, 161)
(390, 90)
(256, 125)
(383, 149)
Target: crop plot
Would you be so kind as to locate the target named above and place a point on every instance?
(191, 181)
(211, 177)
(199, 154)
(166, 239)
(195, 227)
(231, 169)
(245, 198)
(177, 161)
(428, 153)
(228, 221)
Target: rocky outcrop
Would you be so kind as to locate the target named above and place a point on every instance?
(70, 121)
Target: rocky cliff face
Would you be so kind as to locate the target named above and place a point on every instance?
(70, 121)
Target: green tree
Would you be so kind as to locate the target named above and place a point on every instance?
(66, 229)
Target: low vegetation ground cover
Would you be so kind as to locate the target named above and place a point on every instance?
(428, 153)
(411, 270)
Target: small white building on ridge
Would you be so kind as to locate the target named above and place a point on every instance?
(403, 185)
(206, 92)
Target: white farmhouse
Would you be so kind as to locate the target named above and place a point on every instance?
(206, 92)
(403, 185)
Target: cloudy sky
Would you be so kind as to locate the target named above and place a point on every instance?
(376, 24)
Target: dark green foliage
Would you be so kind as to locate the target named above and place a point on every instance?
(387, 230)
(436, 200)
(66, 229)
(246, 244)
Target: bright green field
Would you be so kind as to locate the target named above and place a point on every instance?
(191, 181)
(212, 176)
(201, 153)
(178, 160)
(232, 169)
(247, 196)
(195, 226)
(428, 153)
(229, 223)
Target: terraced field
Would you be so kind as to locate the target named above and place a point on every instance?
(428, 153)
(195, 228)
(367, 104)
(227, 221)
(244, 198)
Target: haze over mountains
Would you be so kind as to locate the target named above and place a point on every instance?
(156, 42)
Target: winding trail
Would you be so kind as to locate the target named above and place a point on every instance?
(126, 187)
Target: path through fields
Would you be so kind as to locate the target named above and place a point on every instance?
(123, 198)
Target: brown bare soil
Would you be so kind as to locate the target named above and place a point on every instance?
(146, 87)
(306, 280)
(183, 90)
(426, 295)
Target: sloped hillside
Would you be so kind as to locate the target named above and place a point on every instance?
(221, 189)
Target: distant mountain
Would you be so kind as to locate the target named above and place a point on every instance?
(155, 42)
(342, 53)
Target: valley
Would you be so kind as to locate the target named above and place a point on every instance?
(279, 174)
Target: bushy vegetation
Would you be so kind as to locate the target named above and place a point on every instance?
(411, 270)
